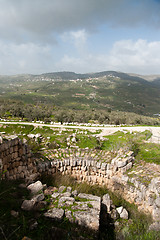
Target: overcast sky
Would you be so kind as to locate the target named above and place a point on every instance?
(38, 36)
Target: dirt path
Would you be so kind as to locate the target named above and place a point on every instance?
(154, 130)
(105, 130)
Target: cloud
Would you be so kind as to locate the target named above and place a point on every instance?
(41, 20)
(24, 58)
(138, 56)
(44, 35)
(78, 39)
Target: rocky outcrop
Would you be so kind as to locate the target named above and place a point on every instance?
(82, 209)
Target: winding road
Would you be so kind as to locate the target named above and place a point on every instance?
(107, 130)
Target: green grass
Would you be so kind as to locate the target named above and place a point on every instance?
(128, 140)
(16, 129)
(86, 141)
(149, 152)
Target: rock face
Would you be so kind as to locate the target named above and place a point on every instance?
(83, 209)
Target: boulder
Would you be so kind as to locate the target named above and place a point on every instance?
(28, 205)
(35, 187)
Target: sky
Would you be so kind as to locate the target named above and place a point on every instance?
(83, 36)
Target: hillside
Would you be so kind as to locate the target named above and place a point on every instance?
(104, 90)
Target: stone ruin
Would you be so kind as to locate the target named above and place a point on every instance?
(16, 162)
(80, 208)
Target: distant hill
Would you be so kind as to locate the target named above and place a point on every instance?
(101, 90)
(74, 76)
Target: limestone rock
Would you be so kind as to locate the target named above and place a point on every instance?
(119, 210)
(121, 163)
(69, 189)
(66, 194)
(68, 215)
(38, 197)
(106, 202)
(88, 219)
(55, 195)
(28, 205)
(124, 214)
(61, 189)
(66, 201)
(35, 187)
(40, 205)
(74, 193)
(55, 213)
(89, 196)
(154, 226)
